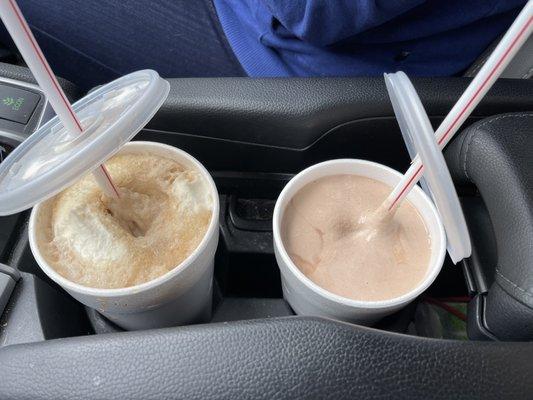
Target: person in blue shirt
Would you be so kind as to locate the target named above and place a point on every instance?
(93, 41)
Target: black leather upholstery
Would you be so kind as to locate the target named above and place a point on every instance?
(284, 358)
(496, 155)
(296, 112)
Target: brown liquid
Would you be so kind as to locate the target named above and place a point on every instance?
(162, 215)
(331, 231)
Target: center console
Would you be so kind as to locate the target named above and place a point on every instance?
(253, 136)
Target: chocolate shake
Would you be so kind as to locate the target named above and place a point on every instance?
(161, 216)
(332, 233)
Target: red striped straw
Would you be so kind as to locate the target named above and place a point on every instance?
(31, 52)
(515, 37)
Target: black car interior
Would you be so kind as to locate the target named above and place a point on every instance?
(253, 135)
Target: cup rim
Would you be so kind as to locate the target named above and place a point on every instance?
(440, 241)
(146, 286)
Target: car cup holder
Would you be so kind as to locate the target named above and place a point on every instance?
(246, 275)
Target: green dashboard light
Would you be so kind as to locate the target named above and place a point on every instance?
(14, 104)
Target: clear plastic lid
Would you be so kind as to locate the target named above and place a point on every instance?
(420, 139)
(53, 158)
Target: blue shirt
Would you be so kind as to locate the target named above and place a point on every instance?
(362, 37)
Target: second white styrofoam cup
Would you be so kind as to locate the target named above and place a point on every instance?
(305, 296)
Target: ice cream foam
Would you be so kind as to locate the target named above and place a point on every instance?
(161, 216)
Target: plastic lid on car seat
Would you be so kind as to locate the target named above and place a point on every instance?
(52, 158)
(437, 183)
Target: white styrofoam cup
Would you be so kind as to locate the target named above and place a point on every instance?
(305, 296)
(182, 295)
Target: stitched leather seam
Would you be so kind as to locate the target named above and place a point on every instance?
(524, 291)
(467, 149)
(528, 74)
(478, 129)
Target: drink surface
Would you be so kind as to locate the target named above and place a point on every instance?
(161, 216)
(333, 233)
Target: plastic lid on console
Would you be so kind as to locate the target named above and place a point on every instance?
(420, 139)
(52, 158)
